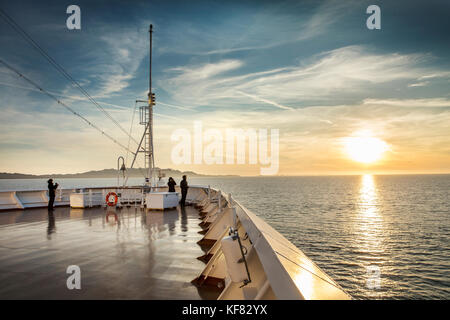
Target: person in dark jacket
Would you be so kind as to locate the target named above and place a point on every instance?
(184, 189)
(51, 193)
(171, 184)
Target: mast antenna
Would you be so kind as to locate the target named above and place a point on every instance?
(150, 65)
(146, 119)
(151, 100)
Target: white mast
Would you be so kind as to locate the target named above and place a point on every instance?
(146, 118)
(150, 160)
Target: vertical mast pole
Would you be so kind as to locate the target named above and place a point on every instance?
(150, 113)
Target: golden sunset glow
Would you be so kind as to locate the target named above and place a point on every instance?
(365, 149)
(344, 107)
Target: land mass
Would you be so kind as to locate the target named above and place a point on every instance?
(105, 173)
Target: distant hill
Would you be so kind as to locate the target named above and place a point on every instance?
(105, 173)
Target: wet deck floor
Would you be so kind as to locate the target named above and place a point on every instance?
(142, 256)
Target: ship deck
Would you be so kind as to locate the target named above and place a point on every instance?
(144, 255)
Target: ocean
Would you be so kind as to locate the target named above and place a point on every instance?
(379, 237)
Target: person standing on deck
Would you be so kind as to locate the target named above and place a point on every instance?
(184, 189)
(171, 184)
(51, 193)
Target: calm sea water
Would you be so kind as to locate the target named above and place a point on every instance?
(352, 226)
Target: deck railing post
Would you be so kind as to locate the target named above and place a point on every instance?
(220, 204)
(90, 198)
(119, 197)
(209, 193)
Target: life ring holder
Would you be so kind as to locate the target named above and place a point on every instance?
(111, 203)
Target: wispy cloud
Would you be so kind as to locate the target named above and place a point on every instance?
(439, 74)
(256, 32)
(265, 101)
(326, 15)
(116, 56)
(351, 69)
(424, 103)
(419, 84)
(176, 106)
(65, 96)
(205, 71)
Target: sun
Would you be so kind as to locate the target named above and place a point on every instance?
(365, 148)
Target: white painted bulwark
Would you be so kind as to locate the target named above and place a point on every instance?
(86, 199)
(161, 200)
(9, 201)
(33, 199)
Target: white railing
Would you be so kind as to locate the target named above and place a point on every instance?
(291, 274)
(23, 199)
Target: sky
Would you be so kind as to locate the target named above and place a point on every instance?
(310, 69)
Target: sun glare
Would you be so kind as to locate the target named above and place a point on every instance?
(365, 149)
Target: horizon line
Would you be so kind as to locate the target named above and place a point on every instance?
(239, 175)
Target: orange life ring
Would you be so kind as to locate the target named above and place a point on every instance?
(111, 203)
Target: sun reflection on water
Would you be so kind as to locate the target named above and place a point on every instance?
(369, 226)
(369, 219)
(368, 196)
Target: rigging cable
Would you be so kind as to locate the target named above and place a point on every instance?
(65, 106)
(59, 68)
(131, 128)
